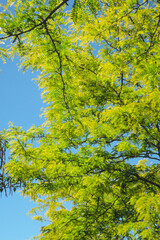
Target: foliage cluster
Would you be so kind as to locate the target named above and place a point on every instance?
(99, 147)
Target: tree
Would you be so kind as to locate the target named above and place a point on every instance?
(3, 185)
(99, 147)
(6, 183)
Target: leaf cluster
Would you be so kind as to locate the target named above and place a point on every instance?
(99, 146)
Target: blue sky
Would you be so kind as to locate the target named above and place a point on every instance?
(20, 103)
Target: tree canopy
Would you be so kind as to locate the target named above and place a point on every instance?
(99, 146)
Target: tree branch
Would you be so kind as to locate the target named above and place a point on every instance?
(36, 25)
(60, 68)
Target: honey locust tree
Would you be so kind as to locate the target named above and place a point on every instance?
(99, 146)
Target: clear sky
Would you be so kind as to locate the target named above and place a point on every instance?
(20, 103)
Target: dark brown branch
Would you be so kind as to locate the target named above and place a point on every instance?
(110, 44)
(80, 66)
(143, 179)
(152, 37)
(145, 128)
(158, 23)
(60, 68)
(115, 21)
(36, 25)
(146, 180)
(134, 24)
